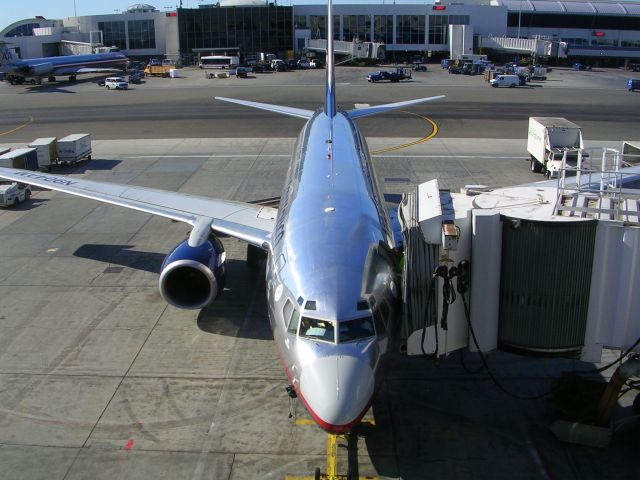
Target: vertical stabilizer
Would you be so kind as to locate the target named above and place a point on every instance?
(330, 94)
(6, 55)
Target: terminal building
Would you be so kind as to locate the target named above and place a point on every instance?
(598, 32)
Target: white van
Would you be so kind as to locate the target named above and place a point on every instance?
(505, 81)
(116, 83)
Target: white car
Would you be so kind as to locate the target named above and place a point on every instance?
(116, 83)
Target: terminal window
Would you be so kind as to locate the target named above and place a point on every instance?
(410, 29)
(113, 34)
(383, 29)
(142, 34)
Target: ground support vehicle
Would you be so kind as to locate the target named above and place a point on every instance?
(505, 81)
(12, 193)
(633, 84)
(581, 66)
(400, 73)
(116, 83)
(46, 152)
(23, 158)
(74, 148)
(552, 142)
(136, 76)
(538, 73)
(157, 70)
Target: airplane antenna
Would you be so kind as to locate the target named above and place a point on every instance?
(330, 94)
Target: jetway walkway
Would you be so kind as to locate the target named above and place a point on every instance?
(532, 46)
(355, 49)
(550, 269)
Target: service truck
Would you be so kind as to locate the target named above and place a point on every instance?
(12, 193)
(74, 147)
(552, 140)
(46, 151)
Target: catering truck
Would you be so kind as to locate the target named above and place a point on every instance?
(552, 140)
(46, 151)
(73, 148)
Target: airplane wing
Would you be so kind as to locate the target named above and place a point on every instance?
(366, 112)
(292, 112)
(251, 223)
(71, 70)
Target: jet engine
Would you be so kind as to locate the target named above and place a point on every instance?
(192, 277)
(40, 69)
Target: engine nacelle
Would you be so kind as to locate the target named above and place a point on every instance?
(41, 69)
(192, 277)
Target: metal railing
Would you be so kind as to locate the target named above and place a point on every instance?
(602, 188)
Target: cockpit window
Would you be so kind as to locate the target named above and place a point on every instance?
(355, 329)
(317, 329)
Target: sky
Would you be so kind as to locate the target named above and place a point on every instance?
(14, 10)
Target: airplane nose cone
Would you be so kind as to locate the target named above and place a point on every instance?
(337, 391)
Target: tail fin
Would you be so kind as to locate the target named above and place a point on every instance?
(6, 56)
(330, 93)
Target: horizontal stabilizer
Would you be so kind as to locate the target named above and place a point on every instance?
(366, 112)
(292, 112)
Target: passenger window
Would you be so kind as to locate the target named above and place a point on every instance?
(286, 311)
(295, 320)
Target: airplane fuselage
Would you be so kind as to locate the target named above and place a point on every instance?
(67, 64)
(331, 216)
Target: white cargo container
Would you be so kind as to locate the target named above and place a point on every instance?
(550, 140)
(75, 147)
(539, 73)
(22, 158)
(47, 151)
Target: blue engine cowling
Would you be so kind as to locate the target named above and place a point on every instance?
(192, 277)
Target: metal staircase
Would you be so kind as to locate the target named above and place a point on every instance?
(598, 193)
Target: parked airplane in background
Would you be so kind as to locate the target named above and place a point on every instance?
(331, 281)
(50, 67)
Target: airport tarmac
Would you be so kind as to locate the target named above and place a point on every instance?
(185, 107)
(100, 379)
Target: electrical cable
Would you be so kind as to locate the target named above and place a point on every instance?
(611, 364)
(432, 291)
(486, 365)
(464, 365)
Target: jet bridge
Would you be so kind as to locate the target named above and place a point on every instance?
(354, 49)
(537, 47)
(551, 271)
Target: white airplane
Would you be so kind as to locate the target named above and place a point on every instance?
(331, 284)
(50, 67)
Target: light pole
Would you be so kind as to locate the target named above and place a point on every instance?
(75, 14)
(519, 17)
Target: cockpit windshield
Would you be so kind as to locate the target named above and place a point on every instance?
(317, 329)
(357, 329)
